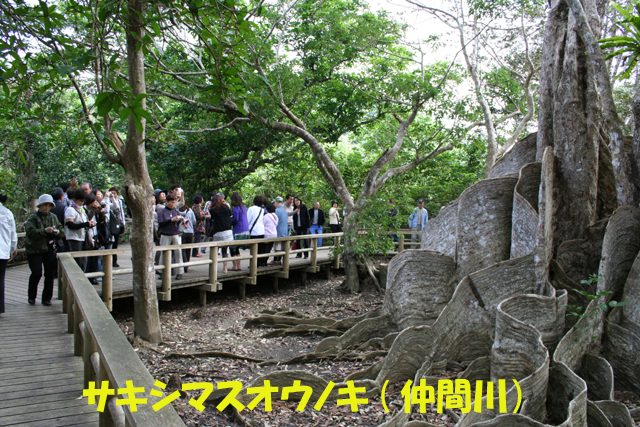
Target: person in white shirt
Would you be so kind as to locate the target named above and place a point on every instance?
(76, 224)
(8, 243)
(255, 219)
(188, 232)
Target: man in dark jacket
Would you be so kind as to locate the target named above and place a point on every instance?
(169, 220)
(317, 221)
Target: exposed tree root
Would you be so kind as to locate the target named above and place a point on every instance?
(312, 358)
(271, 320)
(212, 354)
(303, 330)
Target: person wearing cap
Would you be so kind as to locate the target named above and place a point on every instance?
(334, 217)
(161, 200)
(42, 229)
(418, 220)
(8, 243)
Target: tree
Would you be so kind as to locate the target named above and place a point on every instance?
(99, 30)
(465, 18)
(344, 69)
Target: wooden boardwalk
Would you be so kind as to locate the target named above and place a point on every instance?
(198, 275)
(41, 381)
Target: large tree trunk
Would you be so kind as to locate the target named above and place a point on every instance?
(137, 190)
(359, 268)
(632, 157)
(571, 120)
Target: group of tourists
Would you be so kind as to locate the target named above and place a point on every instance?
(176, 223)
(80, 219)
(66, 220)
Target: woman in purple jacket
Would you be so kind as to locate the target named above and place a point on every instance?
(240, 226)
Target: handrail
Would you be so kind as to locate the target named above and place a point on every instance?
(212, 285)
(106, 353)
(23, 234)
(402, 242)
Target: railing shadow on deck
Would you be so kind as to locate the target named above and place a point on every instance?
(106, 353)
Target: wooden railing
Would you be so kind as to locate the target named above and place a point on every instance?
(106, 353)
(213, 284)
(403, 243)
(22, 235)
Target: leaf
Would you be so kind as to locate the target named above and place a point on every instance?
(156, 28)
(24, 160)
(65, 70)
(124, 115)
(105, 106)
(141, 112)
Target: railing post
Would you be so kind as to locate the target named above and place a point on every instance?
(105, 419)
(213, 267)
(64, 286)
(336, 261)
(88, 351)
(287, 251)
(77, 334)
(60, 280)
(401, 243)
(254, 260)
(166, 275)
(107, 281)
(314, 252)
(70, 313)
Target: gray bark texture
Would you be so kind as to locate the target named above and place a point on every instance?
(137, 190)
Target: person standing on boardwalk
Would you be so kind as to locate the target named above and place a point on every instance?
(334, 217)
(418, 220)
(240, 226)
(222, 228)
(76, 224)
(169, 220)
(301, 225)
(42, 230)
(282, 228)
(316, 217)
(8, 243)
(255, 219)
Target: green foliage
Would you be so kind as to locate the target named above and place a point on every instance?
(372, 229)
(579, 311)
(626, 46)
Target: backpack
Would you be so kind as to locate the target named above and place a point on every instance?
(115, 224)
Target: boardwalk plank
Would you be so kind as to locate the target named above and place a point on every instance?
(40, 378)
(39, 406)
(43, 417)
(67, 421)
(45, 398)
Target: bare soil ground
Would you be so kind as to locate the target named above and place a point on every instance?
(188, 328)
